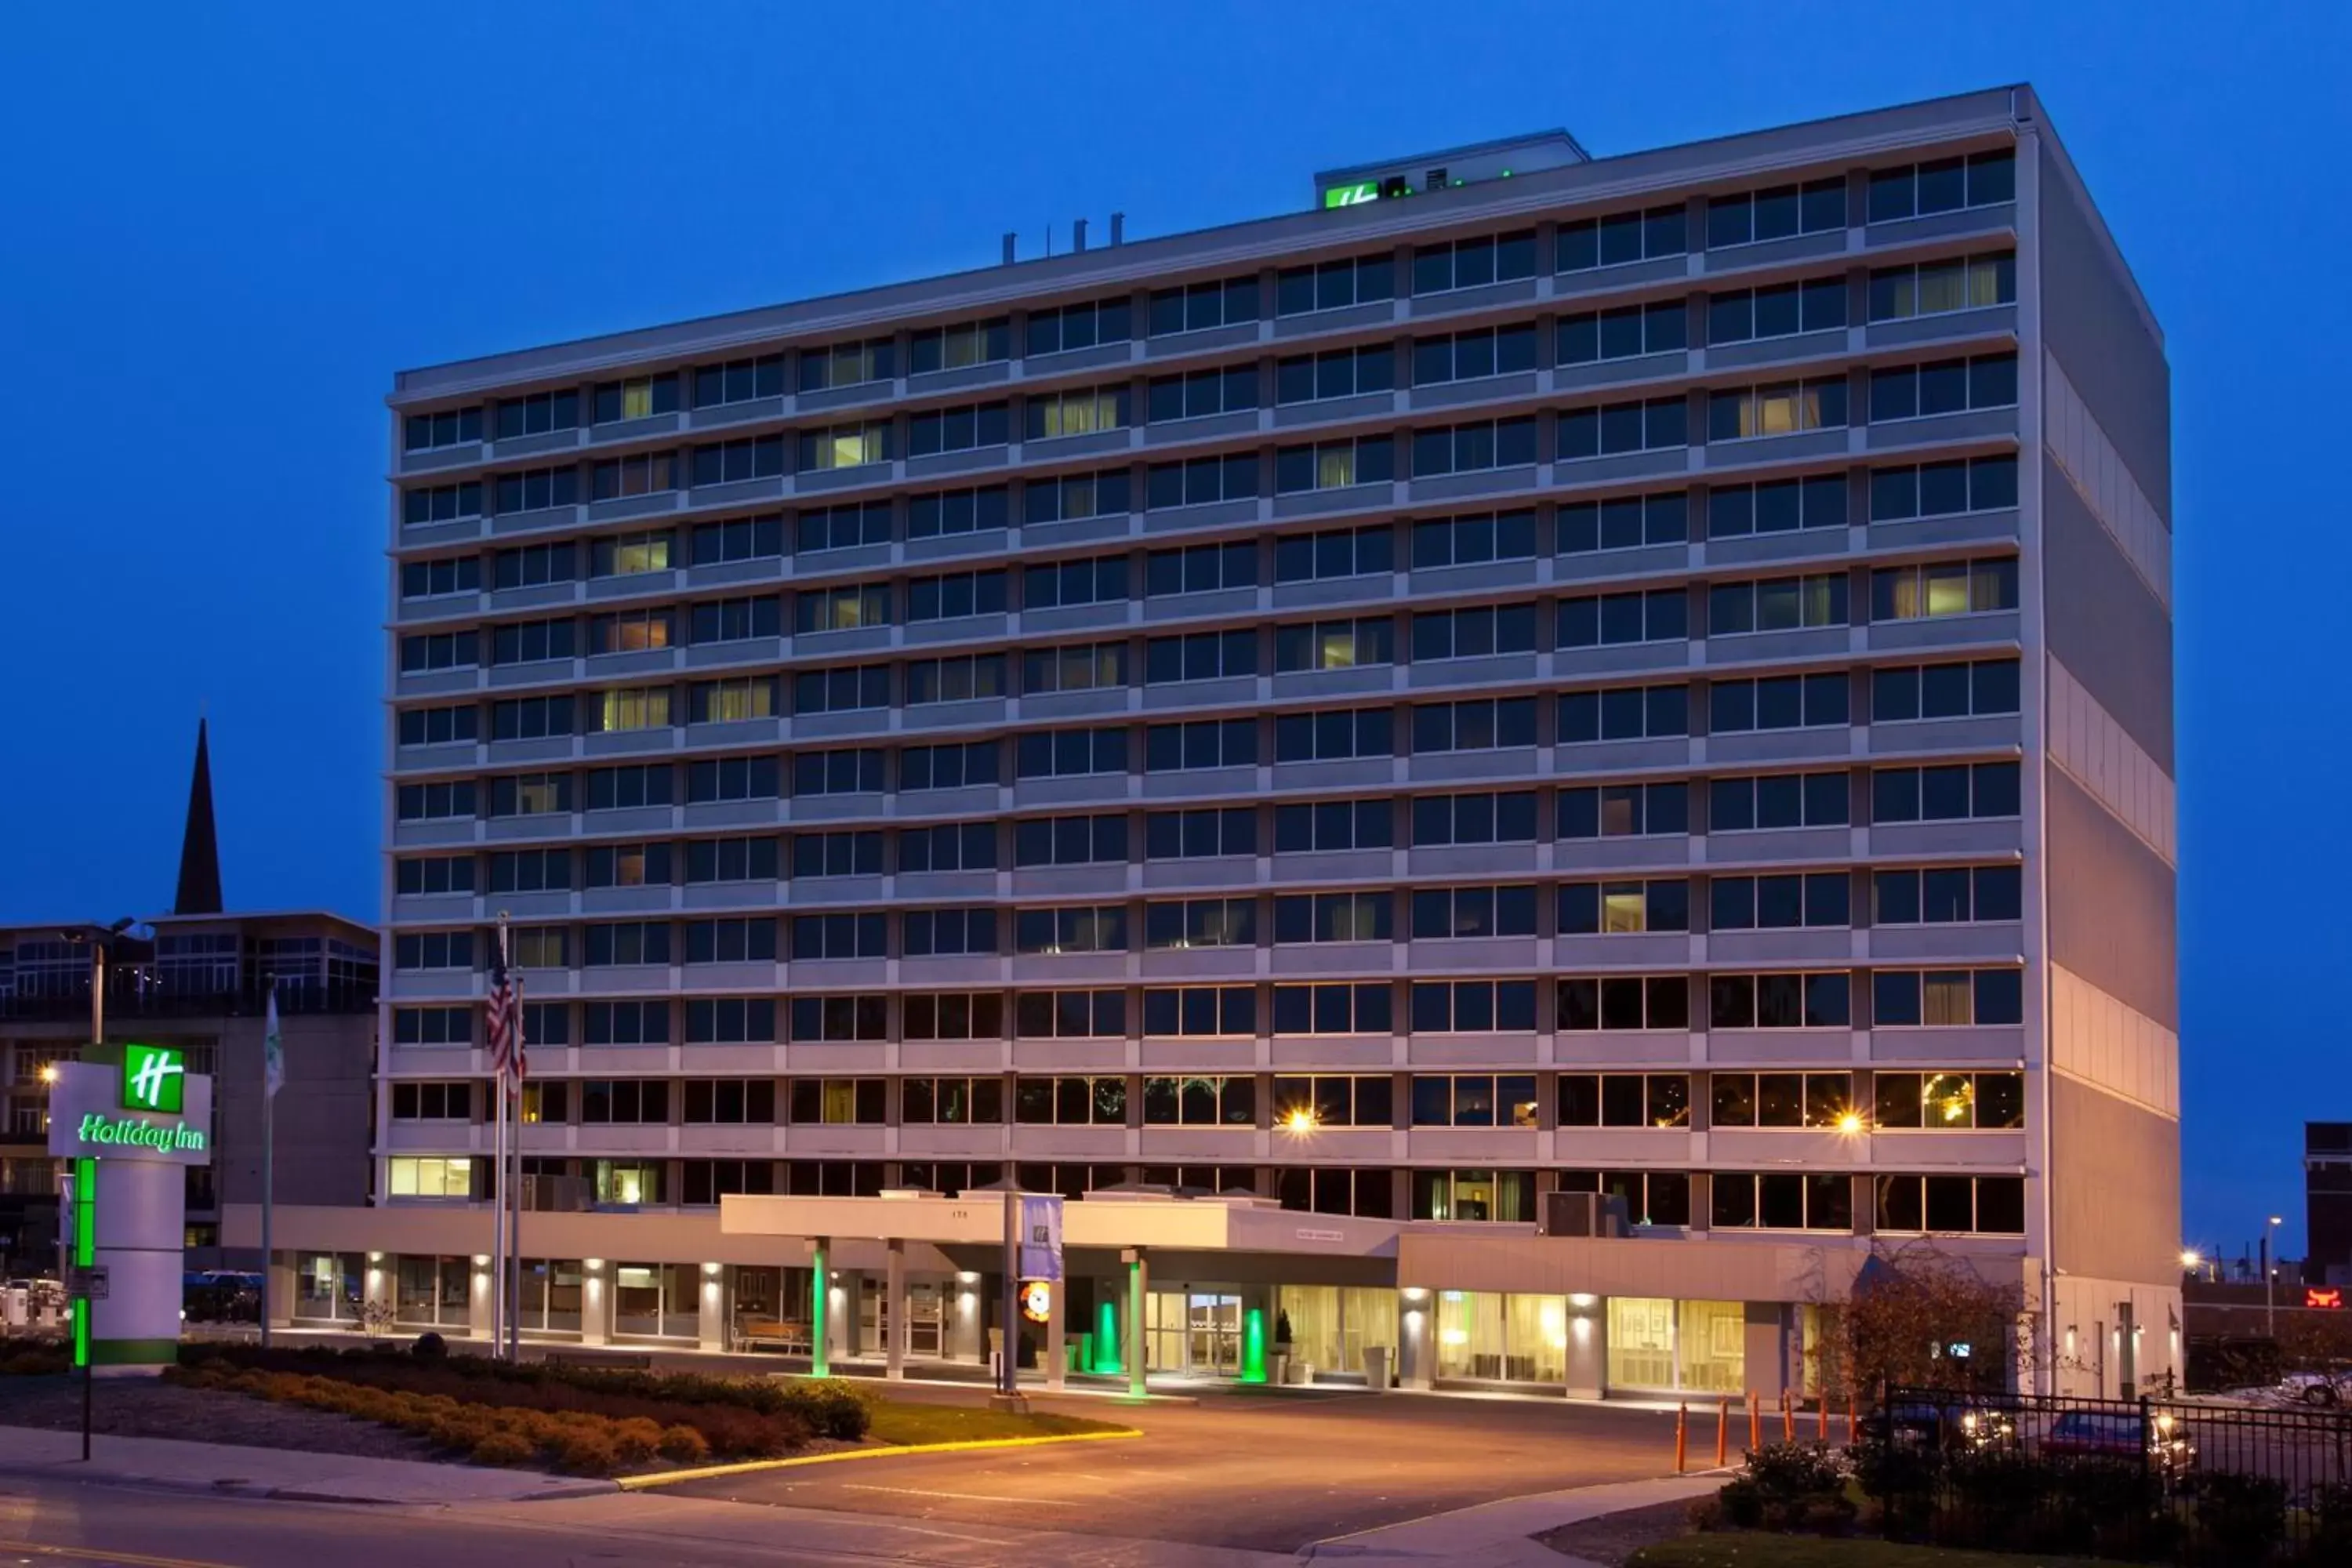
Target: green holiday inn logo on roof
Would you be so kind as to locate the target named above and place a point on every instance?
(153, 1078)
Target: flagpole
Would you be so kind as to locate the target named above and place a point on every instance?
(514, 1210)
(497, 1187)
(271, 1071)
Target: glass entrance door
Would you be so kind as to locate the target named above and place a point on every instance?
(1213, 1334)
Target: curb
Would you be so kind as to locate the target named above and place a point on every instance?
(70, 1471)
(966, 1446)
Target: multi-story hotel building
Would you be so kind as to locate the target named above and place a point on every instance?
(1645, 675)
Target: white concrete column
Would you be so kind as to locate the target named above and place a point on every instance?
(377, 1283)
(713, 1321)
(965, 1340)
(595, 1302)
(481, 1298)
(841, 1315)
(1587, 1347)
(894, 1310)
(277, 1289)
(1415, 1335)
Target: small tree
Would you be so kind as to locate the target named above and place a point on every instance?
(1910, 1306)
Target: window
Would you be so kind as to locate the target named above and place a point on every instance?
(1780, 409)
(848, 607)
(1484, 445)
(433, 950)
(943, 934)
(1987, 1205)
(1943, 185)
(948, 767)
(1338, 372)
(1777, 703)
(952, 595)
(530, 642)
(1070, 1101)
(533, 565)
(1077, 327)
(432, 1027)
(1334, 553)
(1048, 1015)
(844, 854)
(948, 846)
(1478, 724)
(1778, 800)
(1943, 690)
(1948, 1102)
(1201, 569)
(1626, 331)
(1624, 1099)
(1199, 923)
(1334, 644)
(431, 1176)
(639, 631)
(1070, 840)
(1946, 998)
(441, 503)
(1940, 489)
(1624, 713)
(1440, 914)
(1474, 1100)
(438, 874)
(537, 414)
(854, 772)
(615, 788)
(1107, 493)
(1780, 506)
(1467, 356)
(1474, 540)
(1657, 423)
(1781, 1200)
(1623, 522)
(730, 861)
(1777, 605)
(734, 620)
(1618, 908)
(1089, 579)
(1615, 239)
(1937, 588)
(1204, 743)
(731, 778)
(742, 538)
(1080, 411)
(1473, 1007)
(725, 462)
(841, 527)
(625, 943)
(1341, 1010)
(1777, 1001)
(1335, 735)
(957, 1015)
(708, 1181)
(1200, 481)
(1507, 816)
(1202, 392)
(1776, 213)
(547, 1023)
(1200, 1011)
(852, 446)
(427, 802)
(949, 513)
(431, 579)
(1782, 311)
(1783, 902)
(731, 701)
(846, 364)
(950, 1102)
(1308, 917)
(647, 473)
(967, 679)
(1069, 753)
(1200, 656)
(1335, 465)
(1334, 285)
(1607, 620)
(1947, 895)
(530, 794)
(626, 865)
(840, 936)
(1334, 1099)
(1198, 834)
(1473, 633)
(1326, 826)
(731, 1021)
(843, 1017)
(1622, 1002)
(1200, 306)
(531, 871)
(632, 708)
(1946, 793)
(1467, 263)
(1938, 288)
(437, 650)
(1624, 811)
(961, 346)
(1943, 386)
(735, 1101)
(1507, 1197)
(837, 1101)
(438, 726)
(639, 398)
(624, 1024)
(843, 689)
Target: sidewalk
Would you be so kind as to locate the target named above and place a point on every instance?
(288, 1473)
(1501, 1534)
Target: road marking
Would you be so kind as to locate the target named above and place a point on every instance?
(100, 1554)
(967, 1446)
(960, 1496)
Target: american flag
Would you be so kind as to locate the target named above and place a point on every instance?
(507, 1052)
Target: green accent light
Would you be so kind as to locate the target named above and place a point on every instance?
(1105, 1346)
(131, 1133)
(153, 1078)
(85, 1247)
(820, 1289)
(1254, 1346)
(1353, 195)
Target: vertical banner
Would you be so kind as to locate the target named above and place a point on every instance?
(1041, 1238)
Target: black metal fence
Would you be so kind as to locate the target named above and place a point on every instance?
(2149, 1480)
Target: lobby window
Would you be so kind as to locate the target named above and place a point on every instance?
(1201, 569)
(733, 620)
(1623, 522)
(1364, 1009)
(1078, 326)
(534, 565)
(1334, 644)
(439, 726)
(539, 413)
(433, 950)
(632, 708)
(1780, 1201)
(624, 1024)
(1088, 580)
(432, 1027)
(432, 1101)
(1943, 185)
(441, 503)
(967, 679)
(1201, 1011)
(1301, 919)
(1956, 1205)
(1474, 355)
(625, 865)
(1201, 482)
(1335, 465)
(739, 381)
(1180, 926)
(1625, 331)
(1200, 306)
(957, 512)
(1505, 1197)
(531, 642)
(1779, 506)
(950, 1102)
(1337, 373)
(1609, 620)
(960, 347)
(730, 861)
(1443, 913)
(531, 871)
(742, 538)
(847, 689)
(950, 932)
(1075, 666)
(1335, 285)
(1080, 411)
(1070, 1101)
(636, 631)
(1468, 263)
(726, 462)
(1943, 489)
(1782, 902)
(1899, 692)
(1070, 840)
(1936, 588)
(955, 1016)
(1947, 895)
(840, 1017)
(432, 579)
(963, 428)
(434, 802)
(1780, 409)
(1779, 800)
(1475, 632)
(1202, 743)
(1950, 792)
(1070, 929)
(1943, 386)
(1485, 817)
(438, 650)
(1781, 310)
(1474, 540)
(1325, 827)
(848, 365)
(1204, 834)
(1779, 1000)
(626, 944)
(948, 846)
(1612, 240)
(844, 854)
(1069, 1015)
(1334, 553)
(1624, 1099)
(449, 427)
(645, 474)
(1624, 907)
(1202, 392)
(1624, 713)
(1479, 446)
(1624, 811)
(953, 766)
(1473, 1007)
(430, 1176)
(729, 778)
(1777, 605)
(1648, 425)
(850, 771)
(1776, 212)
(851, 446)
(1780, 1099)
(1939, 287)
(1474, 1100)
(433, 874)
(1307, 1104)
(1948, 1102)
(1068, 498)
(1947, 998)
(1337, 736)
(1476, 724)
(641, 397)
(530, 794)
(841, 527)
(838, 1102)
(1778, 702)
(952, 595)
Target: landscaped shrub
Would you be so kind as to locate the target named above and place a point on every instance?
(684, 1446)
(1789, 1486)
(2240, 1518)
(504, 1448)
(41, 1363)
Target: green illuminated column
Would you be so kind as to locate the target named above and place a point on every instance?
(819, 1296)
(1105, 1346)
(85, 1248)
(1254, 1345)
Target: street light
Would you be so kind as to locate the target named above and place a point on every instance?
(2191, 1260)
(2270, 1283)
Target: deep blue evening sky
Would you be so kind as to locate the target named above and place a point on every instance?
(222, 230)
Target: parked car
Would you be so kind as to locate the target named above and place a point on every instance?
(1955, 1421)
(220, 1296)
(2323, 1389)
(2160, 1441)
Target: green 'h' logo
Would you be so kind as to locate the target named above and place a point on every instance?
(152, 1078)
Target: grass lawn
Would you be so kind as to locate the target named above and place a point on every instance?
(1737, 1550)
(913, 1423)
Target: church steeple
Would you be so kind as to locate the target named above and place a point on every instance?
(200, 883)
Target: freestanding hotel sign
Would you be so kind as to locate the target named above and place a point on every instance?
(129, 1118)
